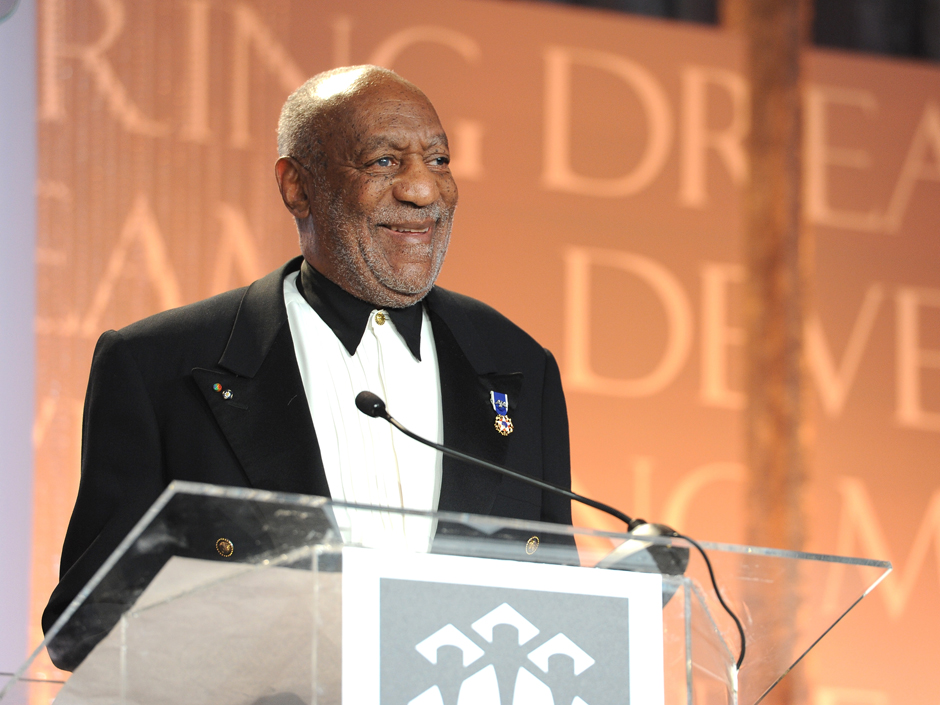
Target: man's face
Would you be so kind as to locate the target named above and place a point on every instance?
(382, 204)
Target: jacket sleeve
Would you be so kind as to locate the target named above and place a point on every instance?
(556, 451)
(121, 469)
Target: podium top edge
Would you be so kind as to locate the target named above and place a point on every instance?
(180, 487)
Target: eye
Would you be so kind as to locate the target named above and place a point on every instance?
(440, 161)
(383, 161)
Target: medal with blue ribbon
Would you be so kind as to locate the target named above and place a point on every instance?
(501, 406)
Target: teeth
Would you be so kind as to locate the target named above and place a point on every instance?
(410, 230)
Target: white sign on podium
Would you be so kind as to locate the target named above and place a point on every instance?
(426, 629)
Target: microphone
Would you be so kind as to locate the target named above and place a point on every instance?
(372, 405)
(635, 554)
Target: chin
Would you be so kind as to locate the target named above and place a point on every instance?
(407, 281)
(397, 295)
(406, 298)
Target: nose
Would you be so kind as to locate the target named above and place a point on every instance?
(416, 184)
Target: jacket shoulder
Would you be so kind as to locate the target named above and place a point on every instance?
(176, 340)
(196, 335)
(195, 319)
(209, 317)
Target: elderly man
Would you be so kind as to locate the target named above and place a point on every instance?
(256, 387)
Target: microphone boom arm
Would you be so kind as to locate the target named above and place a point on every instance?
(541, 484)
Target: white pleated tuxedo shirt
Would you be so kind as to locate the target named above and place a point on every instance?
(366, 460)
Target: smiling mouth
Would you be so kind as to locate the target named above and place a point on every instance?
(407, 230)
(419, 233)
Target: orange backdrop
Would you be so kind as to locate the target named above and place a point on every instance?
(599, 159)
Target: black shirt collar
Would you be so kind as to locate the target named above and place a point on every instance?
(348, 316)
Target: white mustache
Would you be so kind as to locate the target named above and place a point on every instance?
(391, 214)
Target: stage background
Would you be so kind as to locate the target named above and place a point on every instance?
(599, 159)
(17, 315)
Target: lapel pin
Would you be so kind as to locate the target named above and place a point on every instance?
(216, 387)
(227, 394)
(501, 406)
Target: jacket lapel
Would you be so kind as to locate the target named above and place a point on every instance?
(260, 403)
(468, 374)
(266, 417)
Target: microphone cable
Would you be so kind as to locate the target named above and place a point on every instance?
(711, 574)
(373, 406)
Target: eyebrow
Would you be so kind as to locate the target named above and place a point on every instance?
(380, 141)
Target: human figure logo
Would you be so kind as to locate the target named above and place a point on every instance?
(444, 644)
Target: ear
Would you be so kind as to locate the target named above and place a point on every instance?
(293, 184)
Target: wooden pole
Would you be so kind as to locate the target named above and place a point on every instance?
(779, 261)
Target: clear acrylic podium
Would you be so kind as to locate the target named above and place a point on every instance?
(224, 595)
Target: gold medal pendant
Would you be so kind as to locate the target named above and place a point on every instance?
(500, 404)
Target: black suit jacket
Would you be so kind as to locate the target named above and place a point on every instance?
(152, 415)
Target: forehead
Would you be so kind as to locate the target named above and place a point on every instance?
(387, 114)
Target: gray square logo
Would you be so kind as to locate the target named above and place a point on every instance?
(453, 644)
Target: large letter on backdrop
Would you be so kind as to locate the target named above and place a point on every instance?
(697, 138)
(91, 57)
(558, 174)
(579, 374)
(820, 155)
